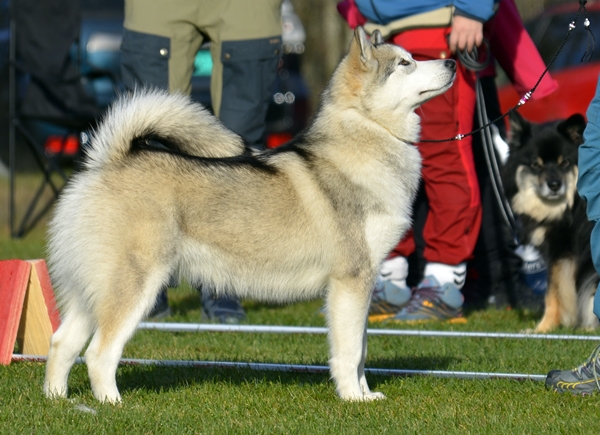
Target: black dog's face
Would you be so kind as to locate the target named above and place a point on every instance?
(540, 175)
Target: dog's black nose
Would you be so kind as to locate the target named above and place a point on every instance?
(450, 64)
(554, 185)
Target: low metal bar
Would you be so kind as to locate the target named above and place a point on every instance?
(301, 368)
(209, 327)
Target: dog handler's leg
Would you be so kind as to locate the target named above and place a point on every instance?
(243, 108)
(245, 47)
(65, 346)
(347, 306)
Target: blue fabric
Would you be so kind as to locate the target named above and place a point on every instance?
(588, 183)
(597, 302)
(384, 11)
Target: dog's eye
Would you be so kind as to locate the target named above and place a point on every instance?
(535, 166)
(404, 62)
(565, 164)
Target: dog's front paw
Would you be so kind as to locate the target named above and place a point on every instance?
(375, 395)
(364, 397)
(113, 399)
(544, 329)
(55, 392)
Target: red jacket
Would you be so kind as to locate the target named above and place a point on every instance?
(510, 45)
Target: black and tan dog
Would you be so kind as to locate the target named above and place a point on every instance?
(540, 181)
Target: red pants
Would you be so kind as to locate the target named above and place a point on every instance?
(450, 181)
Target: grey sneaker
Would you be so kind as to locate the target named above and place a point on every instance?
(390, 293)
(430, 301)
(582, 381)
(227, 310)
(388, 299)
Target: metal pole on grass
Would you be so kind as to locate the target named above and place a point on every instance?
(300, 368)
(209, 327)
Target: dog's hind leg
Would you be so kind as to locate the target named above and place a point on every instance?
(347, 309)
(65, 346)
(118, 316)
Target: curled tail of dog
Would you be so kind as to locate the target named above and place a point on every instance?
(172, 119)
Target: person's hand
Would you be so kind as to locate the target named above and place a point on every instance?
(466, 33)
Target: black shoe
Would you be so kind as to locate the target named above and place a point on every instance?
(225, 310)
(583, 380)
(161, 307)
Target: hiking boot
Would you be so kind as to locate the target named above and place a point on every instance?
(582, 381)
(387, 300)
(161, 307)
(430, 301)
(226, 310)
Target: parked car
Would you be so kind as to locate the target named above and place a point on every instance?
(576, 80)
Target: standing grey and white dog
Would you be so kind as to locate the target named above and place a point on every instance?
(313, 218)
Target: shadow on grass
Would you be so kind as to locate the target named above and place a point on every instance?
(185, 304)
(526, 315)
(154, 378)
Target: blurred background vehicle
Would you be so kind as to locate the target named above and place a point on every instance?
(99, 49)
(576, 80)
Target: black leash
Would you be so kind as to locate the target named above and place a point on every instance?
(493, 167)
(471, 60)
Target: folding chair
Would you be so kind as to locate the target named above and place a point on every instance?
(44, 85)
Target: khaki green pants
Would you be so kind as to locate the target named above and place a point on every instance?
(162, 37)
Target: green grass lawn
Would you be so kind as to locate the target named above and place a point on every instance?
(238, 401)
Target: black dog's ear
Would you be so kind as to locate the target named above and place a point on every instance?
(572, 128)
(520, 130)
(376, 38)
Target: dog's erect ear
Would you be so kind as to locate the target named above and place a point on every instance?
(365, 46)
(520, 130)
(376, 38)
(572, 128)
